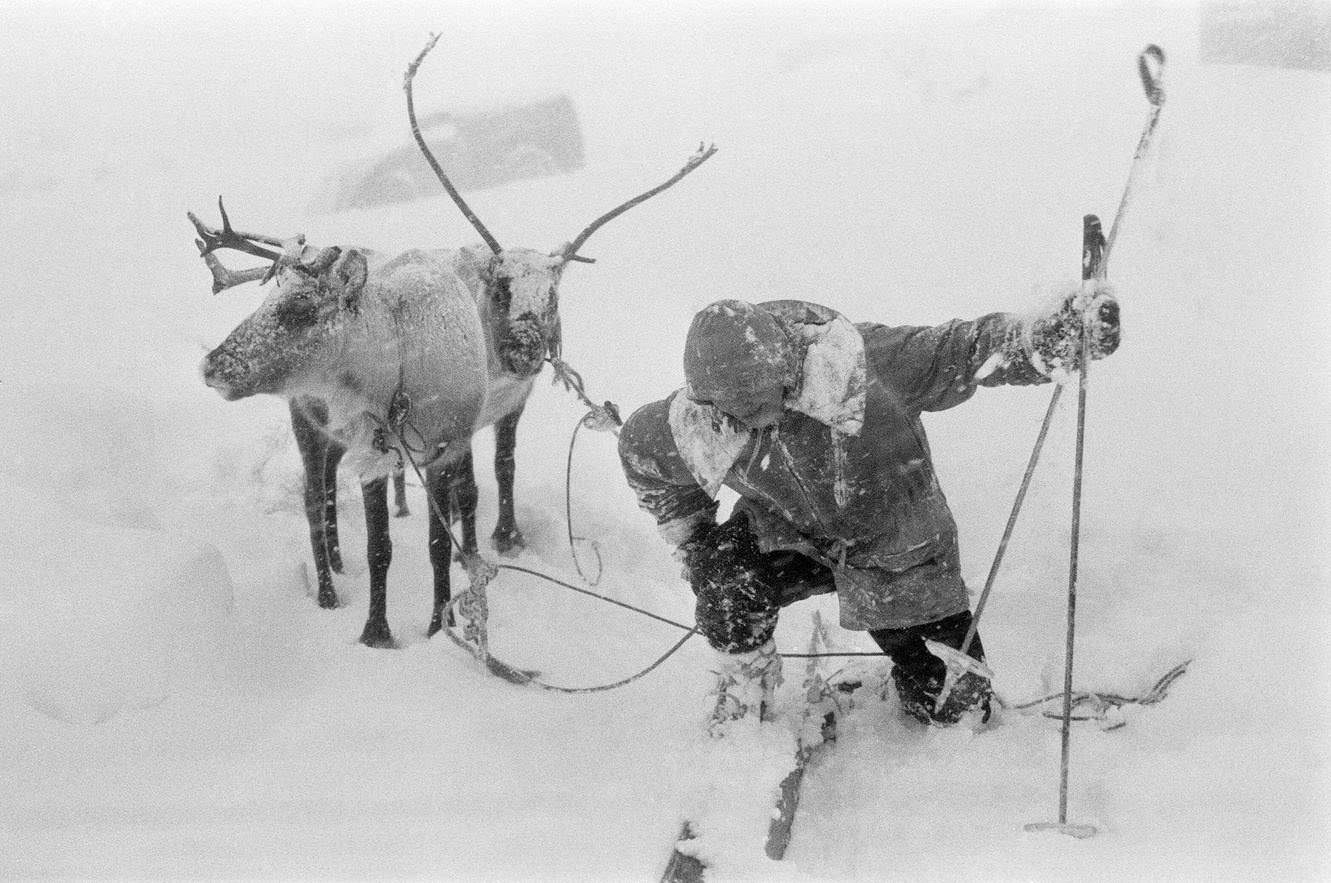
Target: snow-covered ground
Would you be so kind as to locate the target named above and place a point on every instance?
(174, 705)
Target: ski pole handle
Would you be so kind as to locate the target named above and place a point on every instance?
(1092, 248)
(1151, 66)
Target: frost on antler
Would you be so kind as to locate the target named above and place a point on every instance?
(211, 239)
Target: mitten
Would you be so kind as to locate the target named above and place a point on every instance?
(687, 552)
(1055, 340)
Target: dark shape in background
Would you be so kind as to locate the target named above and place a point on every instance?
(1274, 33)
(480, 149)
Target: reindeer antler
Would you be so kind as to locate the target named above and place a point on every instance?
(211, 239)
(224, 277)
(434, 163)
(214, 239)
(570, 252)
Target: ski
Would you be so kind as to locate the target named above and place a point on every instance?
(817, 711)
(683, 868)
(816, 724)
(830, 699)
(788, 801)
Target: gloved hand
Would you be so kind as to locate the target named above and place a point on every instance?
(1056, 339)
(687, 552)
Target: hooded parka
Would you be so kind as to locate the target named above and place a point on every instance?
(846, 476)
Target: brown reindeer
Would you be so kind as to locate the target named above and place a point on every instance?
(339, 327)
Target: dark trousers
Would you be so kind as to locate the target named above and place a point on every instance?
(741, 590)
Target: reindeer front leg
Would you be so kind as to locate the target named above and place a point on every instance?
(320, 457)
(461, 481)
(332, 456)
(400, 507)
(506, 536)
(379, 553)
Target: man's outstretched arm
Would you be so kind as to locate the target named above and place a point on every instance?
(938, 367)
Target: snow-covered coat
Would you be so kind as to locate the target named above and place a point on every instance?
(845, 477)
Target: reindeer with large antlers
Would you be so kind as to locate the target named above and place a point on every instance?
(385, 360)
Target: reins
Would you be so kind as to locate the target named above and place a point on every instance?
(602, 418)
(473, 603)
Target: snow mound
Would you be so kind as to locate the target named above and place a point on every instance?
(107, 609)
(113, 624)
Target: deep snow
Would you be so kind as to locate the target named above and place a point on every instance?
(175, 705)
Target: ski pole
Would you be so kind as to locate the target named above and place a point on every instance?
(1150, 67)
(1093, 251)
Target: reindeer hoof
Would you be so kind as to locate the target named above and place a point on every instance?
(508, 542)
(328, 600)
(439, 621)
(402, 512)
(377, 635)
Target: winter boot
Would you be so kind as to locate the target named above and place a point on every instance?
(918, 694)
(919, 670)
(745, 686)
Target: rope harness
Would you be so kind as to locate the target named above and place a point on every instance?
(602, 418)
(1103, 706)
(472, 604)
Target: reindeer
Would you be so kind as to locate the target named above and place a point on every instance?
(328, 338)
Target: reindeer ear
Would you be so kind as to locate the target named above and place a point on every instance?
(349, 280)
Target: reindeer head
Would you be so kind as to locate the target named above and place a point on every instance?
(520, 306)
(519, 287)
(297, 329)
(520, 302)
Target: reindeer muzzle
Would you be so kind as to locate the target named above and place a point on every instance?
(522, 350)
(219, 373)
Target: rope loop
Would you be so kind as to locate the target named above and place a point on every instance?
(600, 418)
(1092, 705)
(568, 513)
(529, 677)
(473, 604)
(604, 417)
(396, 424)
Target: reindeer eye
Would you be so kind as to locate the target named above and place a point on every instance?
(297, 311)
(502, 293)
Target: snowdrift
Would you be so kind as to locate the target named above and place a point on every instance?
(174, 705)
